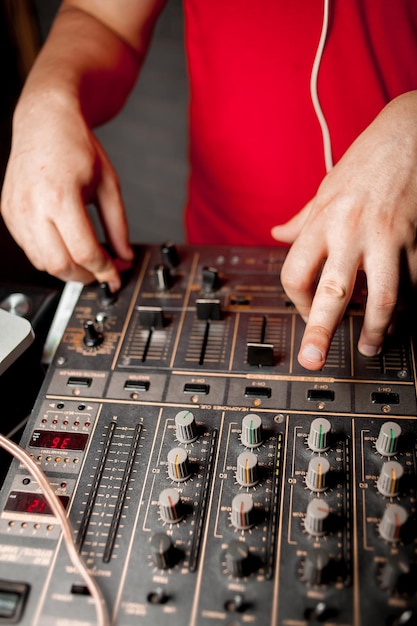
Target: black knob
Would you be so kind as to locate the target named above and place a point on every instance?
(169, 254)
(163, 277)
(92, 338)
(107, 298)
(211, 280)
(162, 551)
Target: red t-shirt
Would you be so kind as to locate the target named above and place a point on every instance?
(256, 149)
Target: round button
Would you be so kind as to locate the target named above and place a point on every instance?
(387, 441)
(162, 551)
(316, 518)
(170, 506)
(237, 554)
(242, 511)
(251, 435)
(185, 427)
(393, 519)
(247, 469)
(318, 438)
(317, 473)
(178, 466)
(388, 483)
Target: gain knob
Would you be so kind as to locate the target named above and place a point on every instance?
(178, 466)
(247, 469)
(317, 473)
(242, 516)
(162, 551)
(388, 483)
(392, 522)
(317, 516)
(318, 438)
(387, 441)
(237, 555)
(251, 435)
(170, 507)
(92, 338)
(185, 427)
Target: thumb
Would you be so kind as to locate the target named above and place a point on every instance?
(288, 232)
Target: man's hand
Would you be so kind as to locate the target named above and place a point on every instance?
(363, 216)
(81, 78)
(56, 168)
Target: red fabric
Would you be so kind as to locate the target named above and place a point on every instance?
(256, 149)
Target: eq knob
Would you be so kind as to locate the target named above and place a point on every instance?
(317, 474)
(242, 511)
(247, 469)
(178, 465)
(318, 437)
(251, 435)
(237, 556)
(92, 338)
(388, 483)
(170, 506)
(185, 427)
(387, 441)
(162, 551)
(392, 522)
(317, 516)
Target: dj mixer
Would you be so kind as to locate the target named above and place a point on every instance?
(208, 478)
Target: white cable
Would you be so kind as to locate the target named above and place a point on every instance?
(327, 145)
(59, 512)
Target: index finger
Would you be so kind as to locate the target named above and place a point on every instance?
(332, 295)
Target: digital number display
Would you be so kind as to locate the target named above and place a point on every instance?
(27, 502)
(58, 440)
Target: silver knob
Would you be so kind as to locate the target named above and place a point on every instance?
(247, 469)
(242, 511)
(251, 436)
(317, 473)
(170, 506)
(316, 518)
(318, 438)
(178, 466)
(185, 427)
(387, 441)
(388, 483)
(393, 519)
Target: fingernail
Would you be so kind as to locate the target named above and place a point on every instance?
(369, 350)
(312, 354)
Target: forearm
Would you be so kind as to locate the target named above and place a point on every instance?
(87, 64)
